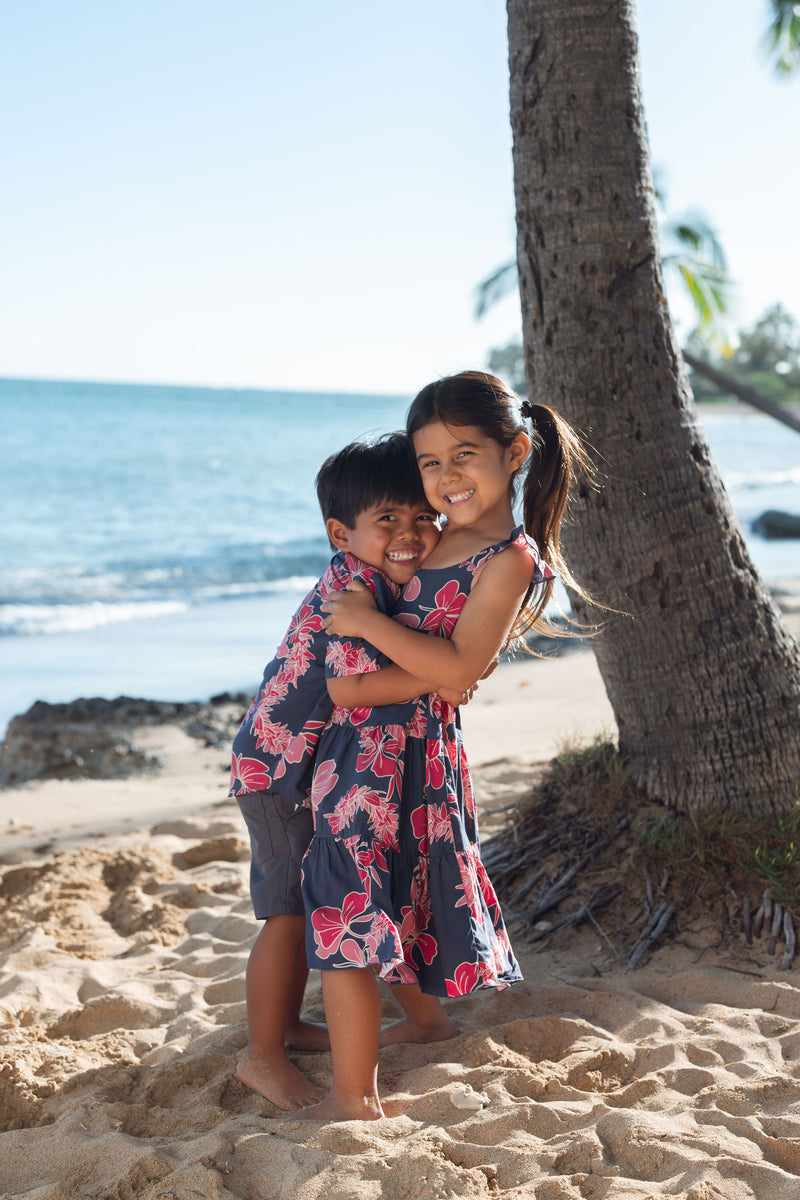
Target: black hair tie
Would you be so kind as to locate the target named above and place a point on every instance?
(526, 408)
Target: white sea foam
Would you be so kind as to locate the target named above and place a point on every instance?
(26, 619)
(759, 479)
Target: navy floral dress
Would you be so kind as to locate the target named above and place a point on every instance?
(393, 876)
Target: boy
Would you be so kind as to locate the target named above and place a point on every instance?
(383, 528)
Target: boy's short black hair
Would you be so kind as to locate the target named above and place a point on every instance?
(367, 473)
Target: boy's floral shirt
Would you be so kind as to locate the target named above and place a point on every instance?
(275, 745)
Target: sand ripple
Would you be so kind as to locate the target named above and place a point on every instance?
(122, 1002)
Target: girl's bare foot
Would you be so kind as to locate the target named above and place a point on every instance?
(336, 1108)
(437, 1029)
(307, 1035)
(278, 1080)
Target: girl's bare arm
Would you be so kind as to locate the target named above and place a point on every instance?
(392, 685)
(480, 633)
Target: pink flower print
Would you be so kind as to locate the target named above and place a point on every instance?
(410, 620)
(274, 691)
(440, 828)
(272, 737)
(431, 823)
(250, 773)
(330, 925)
(358, 716)
(297, 662)
(348, 658)
(479, 561)
(426, 944)
(354, 952)
(325, 779)
(412, 589)
(382, 815)
(398, 973)
(419, 826)
(380, 750)
(304, 741)
(415, 920)
(485, 884)
(417, 726)
(466, 979)
(304, 624)
(370, 860)
(380, 931)
(470, 887)
(434, 767)
(449, 603)
(299, 746)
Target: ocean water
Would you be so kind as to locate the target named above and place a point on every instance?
(155, 540)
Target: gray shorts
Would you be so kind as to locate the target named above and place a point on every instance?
(280, 834)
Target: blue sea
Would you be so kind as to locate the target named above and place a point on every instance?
(155, 540)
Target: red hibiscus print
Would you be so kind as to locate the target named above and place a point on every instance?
(348, 658)
(380, 748)
(412, 589)
(250, 773)
(449, 603)
(330, 925)
(304, 624)
(273, 738)
(467, 976)
(325, 778)
(434, 768)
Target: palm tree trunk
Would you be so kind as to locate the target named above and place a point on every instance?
(703, 676)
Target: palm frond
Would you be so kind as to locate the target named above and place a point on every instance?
(709, 289)
(782, 39)
(495, 287)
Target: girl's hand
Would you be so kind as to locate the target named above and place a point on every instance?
(347, 609)
(456, 698)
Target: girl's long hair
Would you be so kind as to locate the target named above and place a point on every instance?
(558, 457)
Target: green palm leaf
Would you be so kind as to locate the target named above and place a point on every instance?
(782, 39)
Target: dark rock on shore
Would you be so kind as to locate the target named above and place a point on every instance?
(776, 524)
(94, 738)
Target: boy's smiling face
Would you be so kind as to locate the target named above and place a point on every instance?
(395, 538)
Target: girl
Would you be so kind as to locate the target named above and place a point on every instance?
(393, 877)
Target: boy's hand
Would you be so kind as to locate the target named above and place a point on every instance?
(347, 609)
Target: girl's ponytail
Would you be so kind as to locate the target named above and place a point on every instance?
(558, 456)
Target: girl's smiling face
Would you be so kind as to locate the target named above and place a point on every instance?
(467, 475)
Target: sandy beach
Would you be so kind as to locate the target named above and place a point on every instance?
(126, 926)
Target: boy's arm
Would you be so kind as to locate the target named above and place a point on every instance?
(481, 630)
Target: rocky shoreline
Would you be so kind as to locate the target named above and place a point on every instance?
(97, 739)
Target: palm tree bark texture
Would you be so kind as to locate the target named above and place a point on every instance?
(702, 674)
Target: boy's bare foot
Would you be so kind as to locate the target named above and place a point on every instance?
(307, 1035)
(278, 1080)
(437, 1029)
(334, 1108)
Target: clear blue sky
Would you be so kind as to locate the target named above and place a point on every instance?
(259, 193)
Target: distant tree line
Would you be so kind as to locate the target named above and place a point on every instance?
(766, 358)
